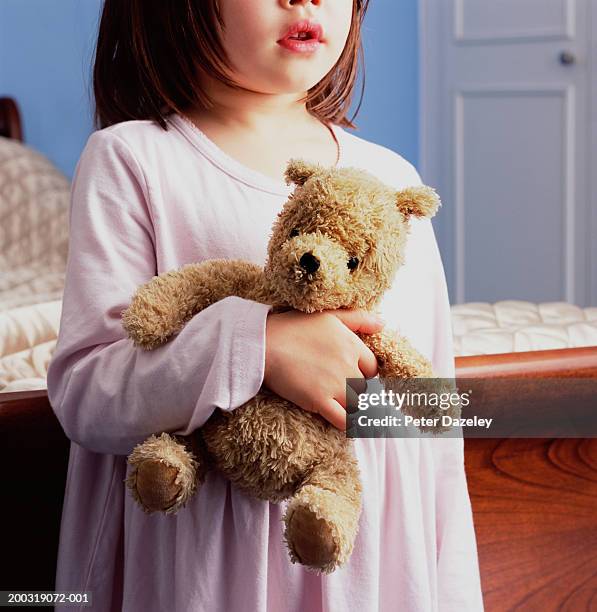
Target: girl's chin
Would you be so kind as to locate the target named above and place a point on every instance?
(289, 83)
(286, 77)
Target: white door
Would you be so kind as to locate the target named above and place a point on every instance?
(507, 135)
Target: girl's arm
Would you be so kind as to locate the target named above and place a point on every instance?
(107, 394)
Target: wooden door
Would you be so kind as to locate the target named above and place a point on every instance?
(507, 135)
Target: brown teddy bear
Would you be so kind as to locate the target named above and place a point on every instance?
(337, 243)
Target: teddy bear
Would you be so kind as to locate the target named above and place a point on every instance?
(336, 243)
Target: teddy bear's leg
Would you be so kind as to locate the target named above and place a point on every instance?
(321, 520)
(165, 472)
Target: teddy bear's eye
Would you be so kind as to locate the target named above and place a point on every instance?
(294, 232)
(353, 262)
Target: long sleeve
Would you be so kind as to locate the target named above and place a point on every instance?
(107, 394)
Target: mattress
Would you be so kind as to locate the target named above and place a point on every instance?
(511, 326)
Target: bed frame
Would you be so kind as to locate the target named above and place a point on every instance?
(534, 500)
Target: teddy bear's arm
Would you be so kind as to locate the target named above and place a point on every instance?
(162, 306)
(396, 357)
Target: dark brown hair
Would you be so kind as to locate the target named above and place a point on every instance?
(150, 53)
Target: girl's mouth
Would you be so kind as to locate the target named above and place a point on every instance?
(302, 37)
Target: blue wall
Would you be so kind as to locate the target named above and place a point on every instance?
(46, 48)
(390, 111)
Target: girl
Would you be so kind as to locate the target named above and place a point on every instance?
(202, 102)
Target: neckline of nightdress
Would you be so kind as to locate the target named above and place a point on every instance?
(235, 168)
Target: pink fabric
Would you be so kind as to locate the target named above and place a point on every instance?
(146, 201)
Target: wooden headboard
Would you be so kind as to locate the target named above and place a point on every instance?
(10, 119)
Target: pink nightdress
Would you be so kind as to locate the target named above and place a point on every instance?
(145, 201)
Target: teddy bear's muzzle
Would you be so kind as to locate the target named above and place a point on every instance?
(309, 273)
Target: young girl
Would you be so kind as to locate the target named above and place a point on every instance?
(202, 102)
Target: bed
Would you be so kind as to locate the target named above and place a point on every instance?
(534, 500)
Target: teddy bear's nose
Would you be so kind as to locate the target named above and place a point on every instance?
(309, 263)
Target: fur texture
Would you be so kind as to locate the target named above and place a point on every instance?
(337, 243)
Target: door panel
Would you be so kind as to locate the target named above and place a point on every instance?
(506, 139)
(524, 205)
(506, 20)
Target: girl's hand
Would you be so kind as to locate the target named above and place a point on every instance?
(308, 358)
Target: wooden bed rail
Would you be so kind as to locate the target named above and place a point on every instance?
(568, 362)
(534, 500)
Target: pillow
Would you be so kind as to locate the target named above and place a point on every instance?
(34, 208)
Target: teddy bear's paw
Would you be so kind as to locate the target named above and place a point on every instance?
(154, 486)
(442, 400)
(311, 540)
(163, 474)
(320, 529)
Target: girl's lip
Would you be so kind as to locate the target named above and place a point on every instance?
(314, 29)
(300, 46)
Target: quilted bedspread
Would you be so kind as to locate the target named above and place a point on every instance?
(34, 203)
(27, 339)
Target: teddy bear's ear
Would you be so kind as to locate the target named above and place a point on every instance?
(421, 201)
(300, 171)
